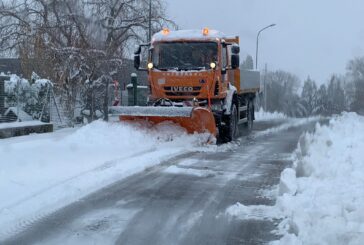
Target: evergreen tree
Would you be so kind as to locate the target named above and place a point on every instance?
(321, 105)
(248, 63)
(335, 96)
(349, 89)
(356, 76)
(309, 95)
(282, 93)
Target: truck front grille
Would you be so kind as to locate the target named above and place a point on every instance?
(182, 91)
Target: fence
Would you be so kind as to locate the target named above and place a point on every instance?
(74, 103)
(24, 101)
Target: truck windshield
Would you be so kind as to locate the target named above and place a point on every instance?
(184, 55)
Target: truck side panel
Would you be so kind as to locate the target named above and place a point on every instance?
(249, 81)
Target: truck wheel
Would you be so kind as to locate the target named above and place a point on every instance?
(230, 132)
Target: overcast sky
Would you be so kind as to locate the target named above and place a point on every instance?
(312, 37)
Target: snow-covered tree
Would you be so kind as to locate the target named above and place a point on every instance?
(282, 93)
(321, 107)
(248, 63)
(72, 41)
(309, 95)
(355, 73)
(30, 97)
(335, 96)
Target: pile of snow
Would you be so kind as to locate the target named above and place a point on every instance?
(253, 212)
(320, 199)
(262, 115)
(42, 173)
(322, 196)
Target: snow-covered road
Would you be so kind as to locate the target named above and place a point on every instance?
(41, 173)
(177, 201)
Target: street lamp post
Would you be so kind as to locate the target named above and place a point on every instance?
(150, 21)
(257, 48)
(256, 64)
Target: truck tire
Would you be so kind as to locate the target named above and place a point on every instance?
(230, 131)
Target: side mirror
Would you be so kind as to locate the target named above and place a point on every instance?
(235, 49)
(137, 58)
(141, 57)
(137, 61)
(235, 61)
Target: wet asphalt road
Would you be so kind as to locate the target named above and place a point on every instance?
(182, 201)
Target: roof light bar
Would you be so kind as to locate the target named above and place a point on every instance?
(165, 31)
(205, 31)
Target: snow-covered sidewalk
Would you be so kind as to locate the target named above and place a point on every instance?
(42, 173)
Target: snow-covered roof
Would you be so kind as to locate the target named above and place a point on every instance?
(23, 116)
(187, 35)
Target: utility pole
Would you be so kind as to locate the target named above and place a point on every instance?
(265, 86)
(150, 21)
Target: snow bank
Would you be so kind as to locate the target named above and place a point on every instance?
(42, 173)
(262, 115)
(322, 196)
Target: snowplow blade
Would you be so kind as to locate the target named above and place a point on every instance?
(193, 119)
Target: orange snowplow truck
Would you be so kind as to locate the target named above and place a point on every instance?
(195, 81)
